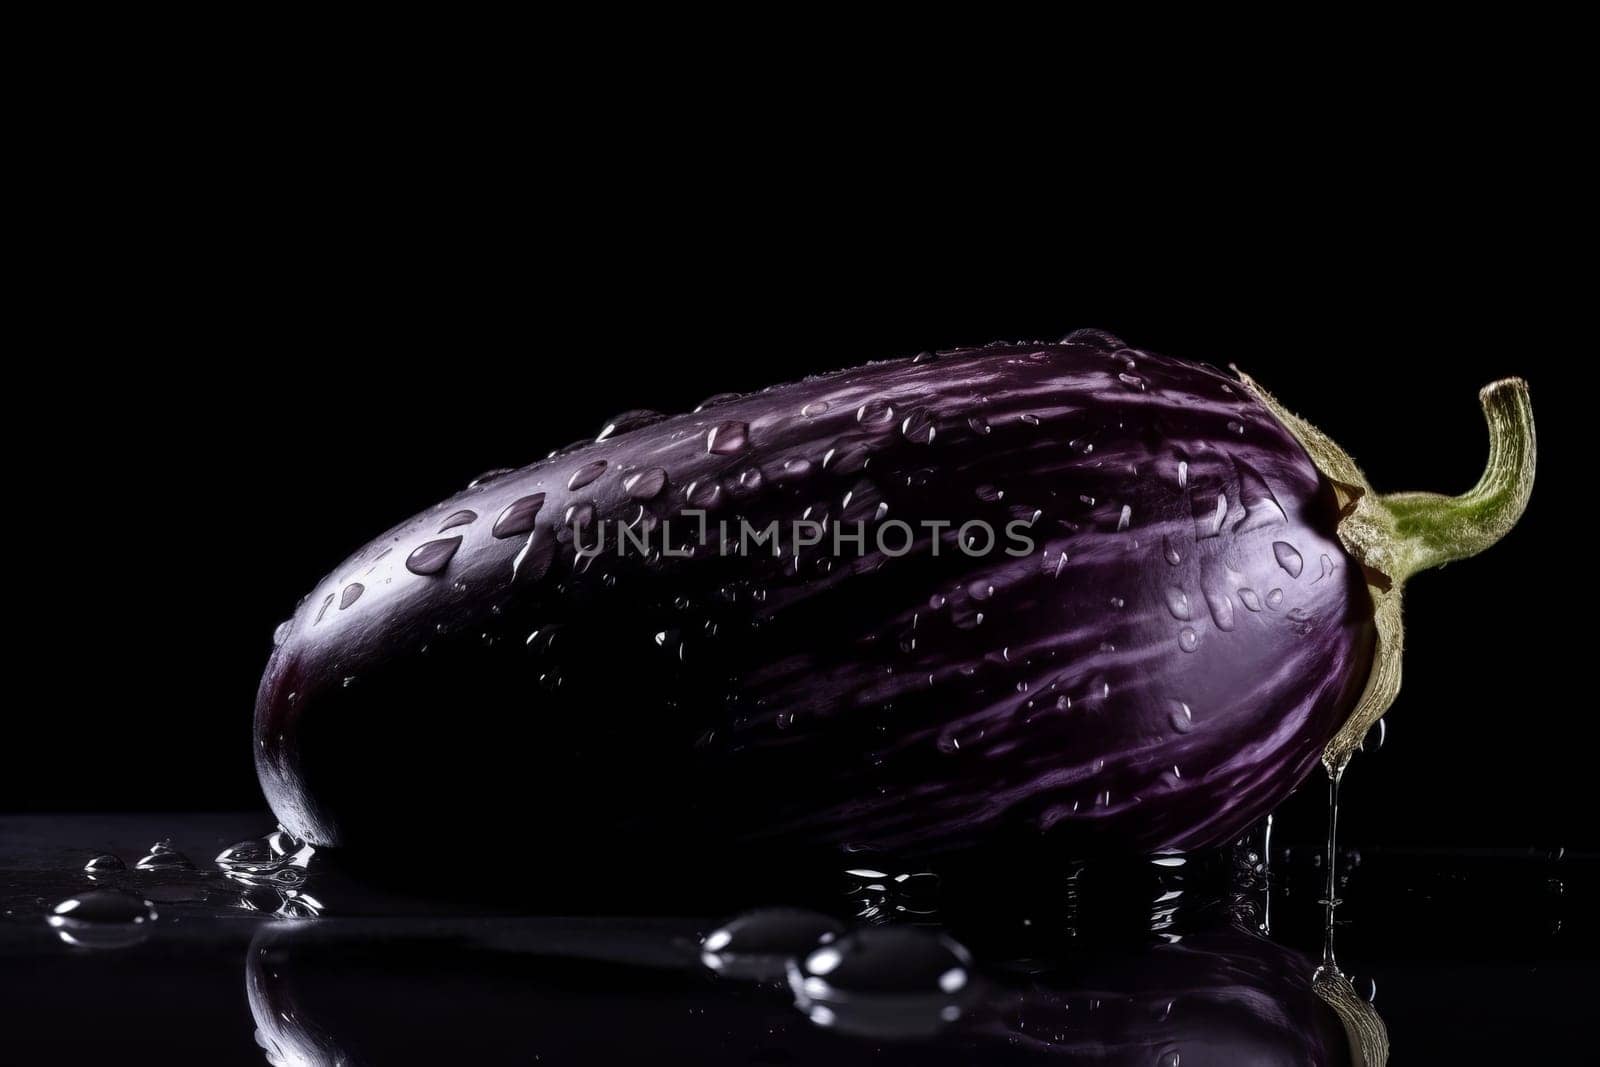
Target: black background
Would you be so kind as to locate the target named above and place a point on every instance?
(263, 341)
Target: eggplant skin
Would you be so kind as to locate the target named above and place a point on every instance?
(1160, 671)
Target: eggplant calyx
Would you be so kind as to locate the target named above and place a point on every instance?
(1368, 1037)
(1396, 535)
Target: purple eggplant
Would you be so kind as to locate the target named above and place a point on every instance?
(1101, 598)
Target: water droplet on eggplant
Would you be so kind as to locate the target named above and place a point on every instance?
(586, 474)
(875, 413)
(728, 438)
(918, 427)
(519, 516)
(646, 484)
(628, 420)
(718, 400)
(432, 557)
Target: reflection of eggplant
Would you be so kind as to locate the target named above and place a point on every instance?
(1222, 998)
(288, 1034)
(1200, 591)
(597, 991)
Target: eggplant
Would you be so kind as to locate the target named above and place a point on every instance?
(1185, 599)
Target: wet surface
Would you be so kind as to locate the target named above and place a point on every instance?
(238, 945)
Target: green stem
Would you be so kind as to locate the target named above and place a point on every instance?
(1396, 536)
(1430, 530)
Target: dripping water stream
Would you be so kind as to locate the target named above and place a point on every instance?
(1330, 893)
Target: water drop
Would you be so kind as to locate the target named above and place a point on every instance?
(1031, 420)
(628, 420)
(534, 558)
(1288, 558)
(281, 632)
(1124, 518)
(875, 413)
(1248, 598)
(884, 982)
(815, 408)
(990, 494)
(101, 918)
(1178, 604)
(579, 518)
(750, 480)
(1170, 1059)
(459, 518)
(489, 476)
(1182, 718)
(1221, 606)
(1188, 640)
(519, 516)
(1235, 426)
(718, 400)
(1261, 507)
(162, 857)
(646, 484)
(758, 945)
(1170, 551)
(586, 474)
(728, 438)
(1133, 381)
(1209, 513)
(1274, 598)
(432, 557)
(105, 864)
(979, 425)
(568, 448)
(918, 426)
(703, 494)
(254, 854)
(1183, 473)
(847, 456)
(1377, 734)
(796, 468)
(352, 593)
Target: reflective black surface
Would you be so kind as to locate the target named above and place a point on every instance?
(1466, 957)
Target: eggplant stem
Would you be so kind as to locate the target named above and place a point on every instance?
(1397, 535)
(1430, 529)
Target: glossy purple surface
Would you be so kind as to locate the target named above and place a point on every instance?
(1158, 672)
